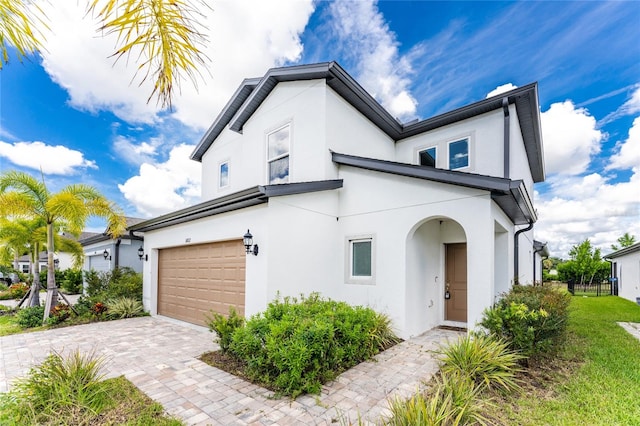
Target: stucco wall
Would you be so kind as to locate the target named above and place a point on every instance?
(628, 272)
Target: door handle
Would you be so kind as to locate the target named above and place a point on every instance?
(447, 294)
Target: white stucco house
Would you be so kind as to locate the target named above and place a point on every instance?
(427, 221)
(625, 270)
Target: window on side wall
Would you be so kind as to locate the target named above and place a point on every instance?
(278, 155)
(459, 154)
(223, 175)
(360, 260)
(427, 157)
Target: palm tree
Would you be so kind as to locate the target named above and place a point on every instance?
(21, 236)
(626, 240)
(163, 34)
(22, 195)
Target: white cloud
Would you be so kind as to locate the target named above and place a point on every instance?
(245, 39)
(366, 38)
(570, 137)
(163, 187)
(58, 159)
(628, 153)
(501, 89)
(592, 207)
(136, 153)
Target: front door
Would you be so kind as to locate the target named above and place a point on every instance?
(455, 303)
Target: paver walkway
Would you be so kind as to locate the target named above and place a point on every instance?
(159, 356)
(632, 327)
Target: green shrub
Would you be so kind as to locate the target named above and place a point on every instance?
(59, 391)
(295, 346)
(30, 317)
(482, 359)
(224, 326)
(72, 281)
(3, 286)
(96, 283)
(532, 320)
(124, 307)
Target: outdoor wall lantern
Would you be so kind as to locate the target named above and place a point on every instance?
(106, 255)
(141, 254)
(247, 240)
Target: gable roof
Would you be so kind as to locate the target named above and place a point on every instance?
(238, 200)
(252, 92)
(627, 250)
(510, 195)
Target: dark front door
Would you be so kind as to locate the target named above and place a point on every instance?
(455, 306)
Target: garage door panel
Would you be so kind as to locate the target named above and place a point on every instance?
(192, 280)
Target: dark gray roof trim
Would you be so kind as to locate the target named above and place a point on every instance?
(236, 101)
(238, 200)
(105, 237)
(627, 250)
(253, 92)
(510, 195)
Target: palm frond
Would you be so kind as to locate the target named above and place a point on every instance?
(18, 22)
(162, 33)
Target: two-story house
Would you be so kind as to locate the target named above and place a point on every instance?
(427, 221)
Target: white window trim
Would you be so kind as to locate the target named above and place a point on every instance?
(349, 278)
(424, 148)
(268, 160)
(220, 186)
(469, 153)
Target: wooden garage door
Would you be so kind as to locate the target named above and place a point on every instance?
(194, 279)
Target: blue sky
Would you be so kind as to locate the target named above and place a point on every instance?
(74, 114)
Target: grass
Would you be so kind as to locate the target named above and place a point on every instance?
(8, 325)
(596, 378)
(71, 391)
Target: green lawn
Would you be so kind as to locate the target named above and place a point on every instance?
(596, 380)
(8, 325)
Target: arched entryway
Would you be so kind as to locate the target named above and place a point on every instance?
(436, 275)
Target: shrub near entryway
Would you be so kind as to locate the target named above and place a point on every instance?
(297, 345)
(532, 320)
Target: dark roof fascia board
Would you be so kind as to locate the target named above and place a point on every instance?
(624, 251)
(241, 94)
(239, 200)
(529, 119)
(105, 237)
(510, 195)
(300, 187)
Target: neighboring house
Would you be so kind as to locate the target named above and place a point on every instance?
(24, 262)
(540, 253)
(625, 269)
(103, 253)
(427, 221)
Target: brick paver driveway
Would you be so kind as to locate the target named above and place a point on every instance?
(159, 356)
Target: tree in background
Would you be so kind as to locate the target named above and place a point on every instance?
(625, 241)
(585, 266)
(162, 34)
(21, 195)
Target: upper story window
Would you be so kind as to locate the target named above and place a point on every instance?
(427, 157)
(278, 155)
(459, 154)
(223, 175)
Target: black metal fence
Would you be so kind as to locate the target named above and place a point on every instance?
(605, 288)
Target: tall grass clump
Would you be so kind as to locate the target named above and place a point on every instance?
(484, 360)
(297, 345)
(531, 320)
(59, 391)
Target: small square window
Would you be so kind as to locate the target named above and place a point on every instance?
(278, 155)
(360, 260)
(459, 154)
(427, 157)
(223, 175)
